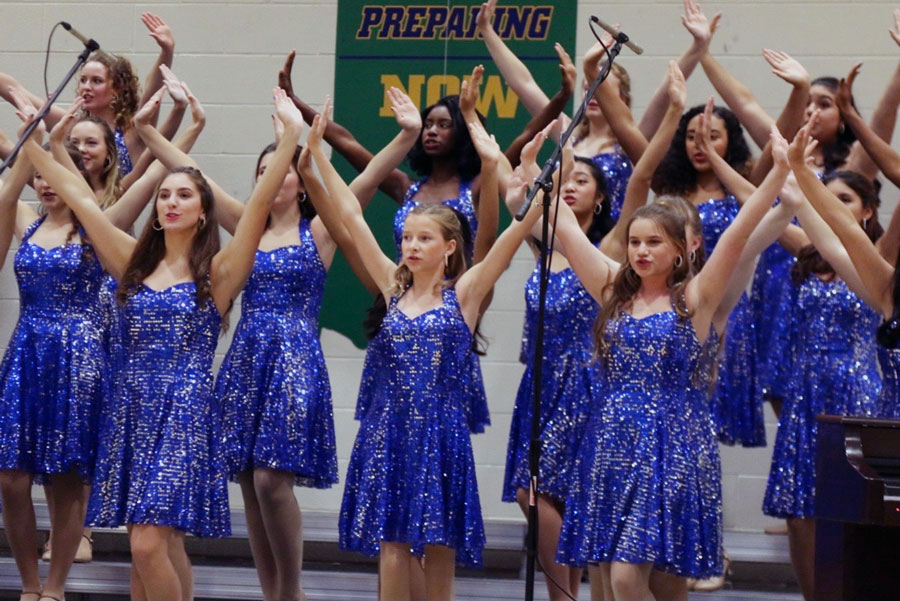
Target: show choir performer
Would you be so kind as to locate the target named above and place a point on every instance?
(654, 352)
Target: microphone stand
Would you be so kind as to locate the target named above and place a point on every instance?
(544, 183)
(89, 47)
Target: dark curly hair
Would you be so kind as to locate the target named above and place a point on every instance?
(468, 163)
(307, 210)
(676, 174)
(809, 261)
(835, 154)
(125, 85)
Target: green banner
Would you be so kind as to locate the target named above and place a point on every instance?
(426, 49)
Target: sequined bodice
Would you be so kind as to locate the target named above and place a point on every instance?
(831, 318)
(56, 281)
(463, 203)
(616, 168)
(289, 280)
(653, 357)
(716, 215)
(425, 355)
(889, 361)
(125, 165)
(164, 331)
(569, 315)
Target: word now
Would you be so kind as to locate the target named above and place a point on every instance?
(451, 22)
(494, 93)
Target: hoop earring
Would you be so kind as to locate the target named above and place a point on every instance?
(678, 261)
(302, 197)
(201, 223)
(107, 162)
(446, 261)
(155, 223)
(865, 222)
(598, 208)
(692, 257)
(841, 128)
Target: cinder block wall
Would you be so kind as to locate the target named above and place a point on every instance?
(230, 52)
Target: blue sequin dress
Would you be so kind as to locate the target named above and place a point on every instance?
(569, 386)
(160, 460)
(125, 166)
(646, 484)
(52, 378)
(616, 168)
(736, 408)
(411, 476)
(889, 401)
(479, 416)
(834, 370)
(273, 385)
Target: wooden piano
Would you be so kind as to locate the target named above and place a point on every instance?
(857, 509)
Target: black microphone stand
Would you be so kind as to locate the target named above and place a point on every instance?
(544, 183)
(89, 47)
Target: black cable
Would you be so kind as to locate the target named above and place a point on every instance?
(47, 59)
(550, 578)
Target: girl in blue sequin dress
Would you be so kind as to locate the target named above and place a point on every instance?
(570, 376)
(640, 500)
(410, 485)
(51, 378)
(159, 468)
(111, 91)
(693, 169)
(837, 334)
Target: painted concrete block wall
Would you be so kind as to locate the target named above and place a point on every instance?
(230, 52)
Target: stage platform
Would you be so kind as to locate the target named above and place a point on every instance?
(223, 569)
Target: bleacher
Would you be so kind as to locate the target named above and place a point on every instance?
(223, 569)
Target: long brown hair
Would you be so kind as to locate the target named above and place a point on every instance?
(110, 177)
(451, 229)
(627, 282)
(809, 261)
(151, 246)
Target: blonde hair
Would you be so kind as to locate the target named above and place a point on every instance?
(451, 229)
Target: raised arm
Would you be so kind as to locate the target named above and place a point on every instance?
(701, 31)
(231, 265)
(638, 188)
(60, 134)
(705, 291)
(128, 208)
(385, 162)
(730, 179)
(489, 199)
(114, 247)
(341, 140)
(228, 208)
(591, 265)
(551, 110)
(740, 99)
(162, 35)
(377, 264)
(876, 273)
(511, 67)
(477, 282)
(617, 113)
(169, 127)
(9, 87)
(770, 228)
(10, 190)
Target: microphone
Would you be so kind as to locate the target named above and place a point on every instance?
(89, 43)
(617, 34)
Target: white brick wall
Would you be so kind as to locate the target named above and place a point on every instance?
(230, 52)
